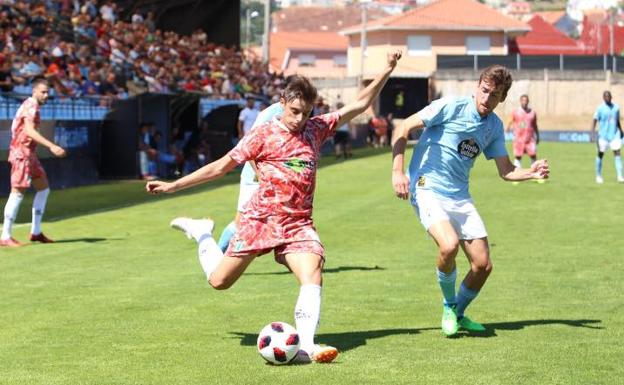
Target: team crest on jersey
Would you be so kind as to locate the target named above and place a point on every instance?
(298, 165)
(421, 181)
(468, 149)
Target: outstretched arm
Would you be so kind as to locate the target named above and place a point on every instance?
(368, 94)
(538, 170)
(399, 141)
(211, 171)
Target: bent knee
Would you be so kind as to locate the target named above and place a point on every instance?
(449, 250)
(219, 283)
(483, 267)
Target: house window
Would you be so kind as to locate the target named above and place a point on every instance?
(340, 60)
(419, 45)
(306, 60)
(477, 45)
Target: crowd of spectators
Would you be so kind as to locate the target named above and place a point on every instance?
(86, 49)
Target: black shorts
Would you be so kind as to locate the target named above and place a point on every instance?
(341, 137)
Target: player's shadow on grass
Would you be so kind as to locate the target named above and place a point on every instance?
(491, 328)
(86, 240)
(339, 269)
(342, 341)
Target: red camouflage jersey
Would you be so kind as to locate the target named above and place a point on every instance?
(286, 163)
(22, 146)
(524, 124)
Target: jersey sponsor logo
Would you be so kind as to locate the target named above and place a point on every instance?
(298, 165)
(468, 149)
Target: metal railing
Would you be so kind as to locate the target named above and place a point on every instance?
(533, 62)
(83, 108)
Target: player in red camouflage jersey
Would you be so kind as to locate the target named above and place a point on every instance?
(526, 135)
(26, 170)
(279, 215)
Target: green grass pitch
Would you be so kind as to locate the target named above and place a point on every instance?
(121, 299)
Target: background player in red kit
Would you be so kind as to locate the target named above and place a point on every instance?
(26, 170)
(526, 135)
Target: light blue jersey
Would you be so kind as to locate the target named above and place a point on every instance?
(248, 175)
(608, 117)
(455, 134)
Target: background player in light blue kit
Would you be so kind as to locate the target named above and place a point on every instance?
(248, 180)
(609, 135)
(456, 131)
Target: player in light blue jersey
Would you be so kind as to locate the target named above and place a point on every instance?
(609, 135)
(248, 180)
(456, 131)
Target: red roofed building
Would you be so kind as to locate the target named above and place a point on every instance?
(596, 35)
(446, 27)
(314, 54)
(545, 39)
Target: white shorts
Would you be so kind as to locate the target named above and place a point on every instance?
(614, 144)
(432, 208)
(248, 186)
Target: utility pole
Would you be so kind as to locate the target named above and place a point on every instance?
(363, 43)
(267, 31)
(611, 42)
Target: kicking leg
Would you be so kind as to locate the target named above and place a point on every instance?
(221, 271)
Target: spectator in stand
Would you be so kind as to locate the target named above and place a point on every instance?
(390, 120)
(380, 129)
(246, 118)
(342, 139)
(147, 152)
(6, 81)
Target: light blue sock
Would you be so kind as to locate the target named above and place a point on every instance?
(598, 166)
(618, 165)
(226, 235)
(464, 297)
(447, 284)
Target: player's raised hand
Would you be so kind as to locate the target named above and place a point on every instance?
(157, 187)
(400, 182)
(540, 169)
(393, 57)
(58, 151)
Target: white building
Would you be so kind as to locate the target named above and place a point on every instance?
(576, 8)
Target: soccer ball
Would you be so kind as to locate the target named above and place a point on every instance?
(278, 343)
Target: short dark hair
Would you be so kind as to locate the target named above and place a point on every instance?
(524, 96)
(500, 76)
(37, 80)
(299, 87)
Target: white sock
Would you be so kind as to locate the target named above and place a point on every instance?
(517, 163)
(10, 213)
(210, 254)
(39, 204)
(308, 314)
